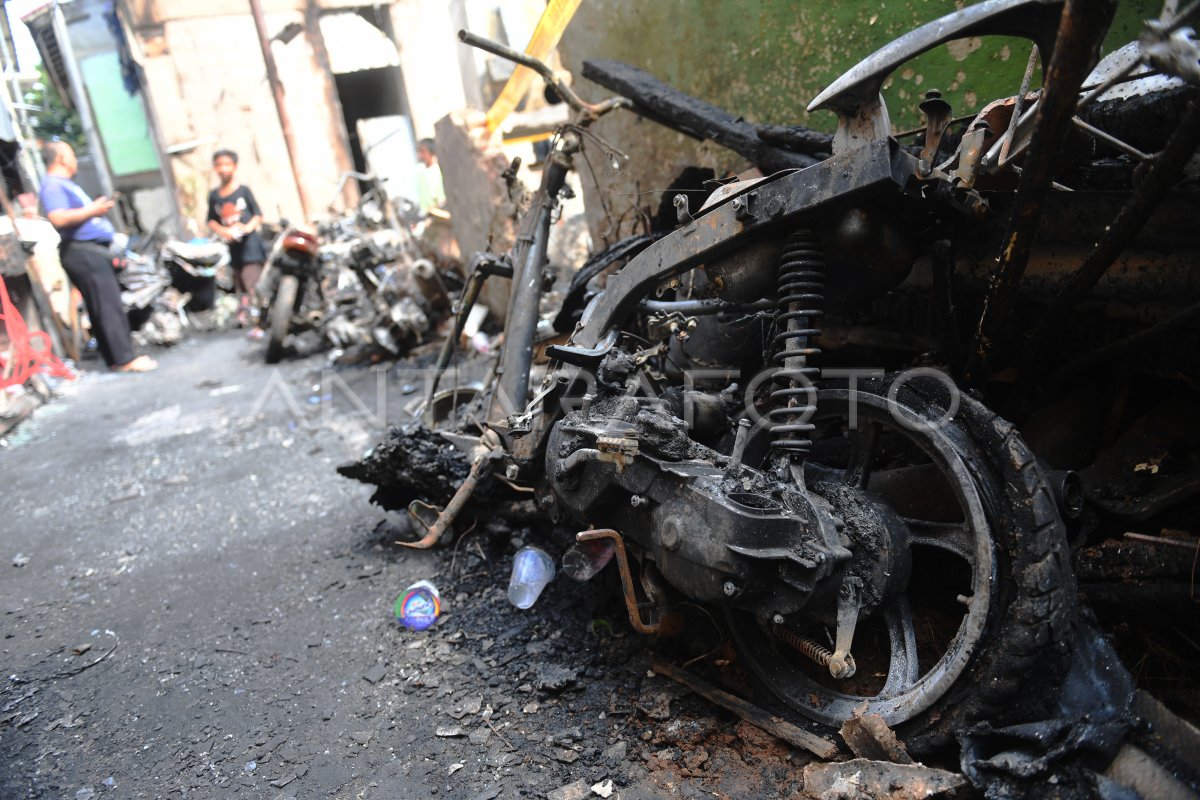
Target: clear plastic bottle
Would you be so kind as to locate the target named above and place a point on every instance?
(418, 606)
(532, 569)
(585, 559)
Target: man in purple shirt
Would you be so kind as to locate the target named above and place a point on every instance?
(86, 236)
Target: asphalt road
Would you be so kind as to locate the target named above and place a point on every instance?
(202, 608)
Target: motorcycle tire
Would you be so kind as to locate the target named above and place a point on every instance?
(1022, 642)
(280, 318)
(204, 295)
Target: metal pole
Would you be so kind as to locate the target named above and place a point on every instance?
(29, 162)
(529, 258)
(285, 121)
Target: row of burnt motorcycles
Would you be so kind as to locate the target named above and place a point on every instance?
(359, 280)
(355, 280)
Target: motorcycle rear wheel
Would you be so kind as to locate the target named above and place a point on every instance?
(280, 318)
(1008, 550)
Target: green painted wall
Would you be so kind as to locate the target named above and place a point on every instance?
(766, 59)
(120, 116)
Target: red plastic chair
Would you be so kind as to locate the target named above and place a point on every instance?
(30, 352)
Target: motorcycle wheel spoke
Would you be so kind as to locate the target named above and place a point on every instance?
(954, 537)
(903, 668)
(864, 443)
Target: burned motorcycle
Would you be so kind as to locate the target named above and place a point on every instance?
(386, 293)
(291, 289)
(153, 305)
(200, 270)
(875, 536)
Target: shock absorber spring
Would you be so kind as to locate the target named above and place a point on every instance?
(801, 301)
(839, 666)
(803, 644)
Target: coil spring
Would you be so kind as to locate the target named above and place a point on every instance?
(801, 298)
(821, 655)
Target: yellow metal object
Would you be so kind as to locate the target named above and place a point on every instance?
(545, 38)
(530, 139)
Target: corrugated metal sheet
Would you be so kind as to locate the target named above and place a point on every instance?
(40, 22)
(354, 44)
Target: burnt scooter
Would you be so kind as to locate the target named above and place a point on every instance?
(198, 270)
(153, 305)
(386, 292)
(691, 420)
(291, 289)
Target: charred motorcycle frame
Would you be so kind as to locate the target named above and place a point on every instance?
(693, 411)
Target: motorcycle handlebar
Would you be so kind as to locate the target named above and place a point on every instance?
(360, 176)
(589, 110)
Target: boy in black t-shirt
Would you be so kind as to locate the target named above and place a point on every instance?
(234, 215)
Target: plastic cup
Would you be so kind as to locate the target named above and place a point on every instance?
(532, 569)
(585, 559)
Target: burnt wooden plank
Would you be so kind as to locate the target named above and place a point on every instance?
(793, 735)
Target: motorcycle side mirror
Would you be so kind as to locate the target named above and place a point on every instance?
(283, 223)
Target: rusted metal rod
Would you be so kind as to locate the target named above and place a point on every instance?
(1109, 139)
(1018, 107)
(479, 470)
(465, 304)
(1186, 544)
(631, 604)
(1080, 32)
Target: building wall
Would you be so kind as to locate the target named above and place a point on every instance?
(208, 82)
(131, 160)
(427, 40)
(766, 59)
(149, 13)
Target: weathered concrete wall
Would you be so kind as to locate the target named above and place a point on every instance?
(208, 82)
(425, 37)
(146, 13)
(766, 59)
(481, 213)
(207, 79)
(439, 71)
(429, 61)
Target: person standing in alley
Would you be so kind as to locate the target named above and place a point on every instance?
(430, 193)
(86, 238)
(234, 215)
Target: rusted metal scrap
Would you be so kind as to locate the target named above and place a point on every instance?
(479, 470)
(881, 780)
(1081, 31)
(631, 602)
(1164, 171)
(681, 112)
